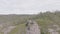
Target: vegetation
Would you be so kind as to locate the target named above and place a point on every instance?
(46, 20)
(20, 29)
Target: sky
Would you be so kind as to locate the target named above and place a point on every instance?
(28, 6)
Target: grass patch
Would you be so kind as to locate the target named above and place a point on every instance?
(20, 29)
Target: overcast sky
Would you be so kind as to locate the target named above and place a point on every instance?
(28, 6)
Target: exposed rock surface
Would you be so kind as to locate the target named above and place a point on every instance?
(54, 29)
(8, 29)
(32, 27)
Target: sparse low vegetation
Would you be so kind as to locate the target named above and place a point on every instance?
(47, 20)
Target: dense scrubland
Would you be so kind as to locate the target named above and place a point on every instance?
(48, 22)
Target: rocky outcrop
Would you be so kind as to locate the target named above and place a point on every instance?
(8, 29)
(32, 27)
(54, 29)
